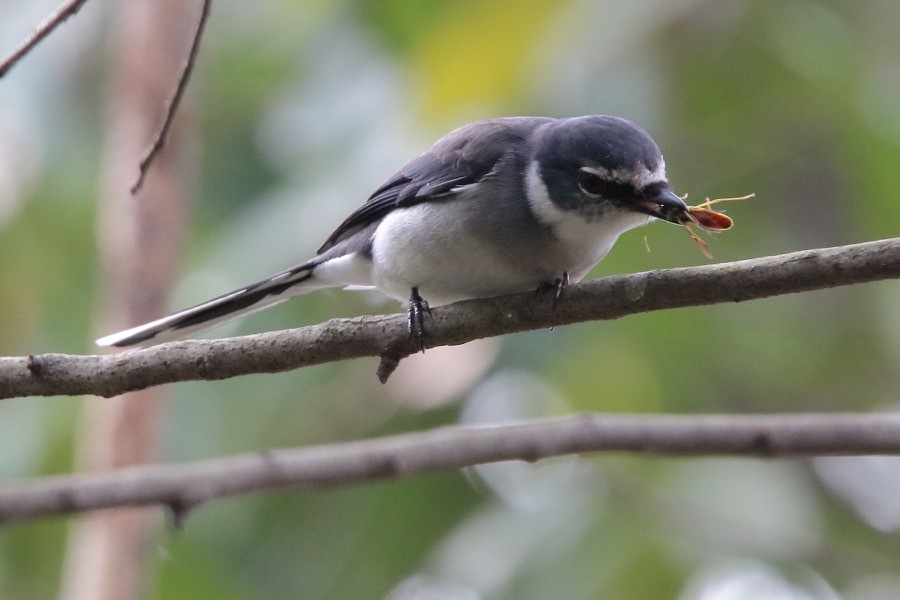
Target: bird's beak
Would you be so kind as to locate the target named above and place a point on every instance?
(664, 205)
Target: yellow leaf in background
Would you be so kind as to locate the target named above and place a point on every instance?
(480, 53)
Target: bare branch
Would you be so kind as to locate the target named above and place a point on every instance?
(186, 486)
(41, 31)
(386, 336)
(159, 140)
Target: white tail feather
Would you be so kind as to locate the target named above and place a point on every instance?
(348, 269)
(219, 310)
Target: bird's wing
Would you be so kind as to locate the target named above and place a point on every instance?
(462, 158)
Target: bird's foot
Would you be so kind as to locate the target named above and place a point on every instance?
(418, 308)
(556, 288)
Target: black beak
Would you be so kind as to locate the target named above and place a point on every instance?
(662, 203)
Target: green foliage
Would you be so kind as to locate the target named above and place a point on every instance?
(301, 109)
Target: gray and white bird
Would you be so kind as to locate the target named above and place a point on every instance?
(494, 207)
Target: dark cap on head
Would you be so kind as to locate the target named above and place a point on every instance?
(611, 144)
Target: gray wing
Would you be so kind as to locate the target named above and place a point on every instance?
(463, 157)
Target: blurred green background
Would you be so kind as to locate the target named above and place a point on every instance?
(302, 109)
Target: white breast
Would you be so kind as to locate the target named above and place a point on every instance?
(428, 246)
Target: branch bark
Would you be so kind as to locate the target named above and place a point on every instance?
(186, 486)
(386, 335)
(47, 26)
(162, 133)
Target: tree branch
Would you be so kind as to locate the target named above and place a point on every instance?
(41, 31)
(386, 336)
(159, 139)
(186, 486)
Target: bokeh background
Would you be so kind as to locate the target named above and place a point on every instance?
(300, 109)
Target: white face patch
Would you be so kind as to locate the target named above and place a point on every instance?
(588, 239)
(539, 198)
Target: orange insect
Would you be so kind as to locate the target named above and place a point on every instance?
(708, 220)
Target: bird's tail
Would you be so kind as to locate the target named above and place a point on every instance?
(237, 303)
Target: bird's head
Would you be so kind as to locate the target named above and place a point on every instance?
(599, 168)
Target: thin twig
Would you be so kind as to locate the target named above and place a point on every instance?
(186, 486)
(162, 133)
(387, 336)
(41, 31)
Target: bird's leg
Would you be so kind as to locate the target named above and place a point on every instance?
(415, 321)
(556, 287)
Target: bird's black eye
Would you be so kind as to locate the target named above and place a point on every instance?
(598, 187)
(591, 183)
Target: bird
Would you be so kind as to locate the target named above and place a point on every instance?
(497, 206)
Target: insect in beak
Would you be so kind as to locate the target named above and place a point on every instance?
(706, 219)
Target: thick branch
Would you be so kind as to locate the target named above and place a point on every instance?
(386, 336)
(41, 31)
(182, 487)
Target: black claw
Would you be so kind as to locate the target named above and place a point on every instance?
(418, 307)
